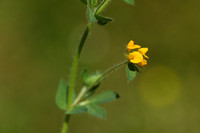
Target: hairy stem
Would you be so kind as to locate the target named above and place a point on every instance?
(75, 64)
(102, 6)
(106, 72)
(73, 76)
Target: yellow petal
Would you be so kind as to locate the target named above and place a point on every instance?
(143, 51)
(146, 56)
(135, 57)
(143, 63)
(131, 45)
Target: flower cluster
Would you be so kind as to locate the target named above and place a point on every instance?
(136, 54)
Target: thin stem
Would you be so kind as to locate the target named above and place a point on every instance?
(79, 97)
(73, 76)
(65, 124)
(75, 64)
(106, 72)
(102, 6)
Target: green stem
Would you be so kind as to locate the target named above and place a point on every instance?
(76, 59)
(102, 6)
(73, 76)
(79, 97)
(106, 72)
(75, 64)
(65, 124)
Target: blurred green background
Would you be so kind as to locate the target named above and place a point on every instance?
(37, 43)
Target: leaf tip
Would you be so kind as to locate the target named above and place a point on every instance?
(117, 95)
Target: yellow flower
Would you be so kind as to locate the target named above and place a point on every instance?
(143, 63)
(143, 52)
(132, 46)
(135, 57)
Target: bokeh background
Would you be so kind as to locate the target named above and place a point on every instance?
(37, 43)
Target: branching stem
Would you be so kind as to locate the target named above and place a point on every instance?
(75, 66)
(84, 90)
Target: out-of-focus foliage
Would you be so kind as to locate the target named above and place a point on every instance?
(131, 2)
(38, 39)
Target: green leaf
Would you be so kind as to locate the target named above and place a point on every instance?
(101, 20)
(130, 74)
(104, 97)
(91, 16)
(90, 79)
(84, 2)
(61, 95)
(96, 110)
(78, 109)
(131, 2)
(84, 75)
(91, 109)
(93, 3)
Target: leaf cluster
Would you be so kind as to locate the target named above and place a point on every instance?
(90, 103)
(86, 102)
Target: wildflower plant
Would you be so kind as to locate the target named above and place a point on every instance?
(85, 101)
